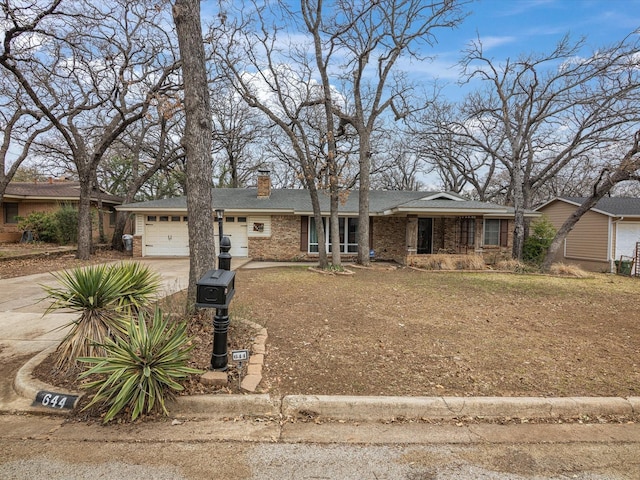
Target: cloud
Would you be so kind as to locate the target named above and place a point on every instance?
(490, 42)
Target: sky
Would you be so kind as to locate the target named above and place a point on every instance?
(509, 28)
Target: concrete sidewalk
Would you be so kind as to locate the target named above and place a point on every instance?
(24, 331)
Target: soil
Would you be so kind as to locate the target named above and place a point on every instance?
(401, 331)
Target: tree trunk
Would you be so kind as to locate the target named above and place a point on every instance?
(363, 198)
(84, 219)
(118, 231)
(197, 143)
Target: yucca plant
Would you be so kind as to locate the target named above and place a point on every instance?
(141, 371)
(103, 295)
(141, 288)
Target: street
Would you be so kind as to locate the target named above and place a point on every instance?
(48, 447)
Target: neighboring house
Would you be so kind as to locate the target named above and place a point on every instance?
(607, 232)
(23, 198)
(278, 224)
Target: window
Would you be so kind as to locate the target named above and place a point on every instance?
(164, 218)
(229, 219)
(348, 235)
(496, 232)
(151, 218)
(10, 212)
(175, 218)
(425, 235)
(468, 231)
(242, 219)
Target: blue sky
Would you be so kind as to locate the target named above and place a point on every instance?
(509, 28)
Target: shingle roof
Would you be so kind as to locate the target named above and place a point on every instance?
(66, 190)
(615, 206)
(298, 201)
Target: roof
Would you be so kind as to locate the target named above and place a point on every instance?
(56, 190)
(610, 206)
(298, 202)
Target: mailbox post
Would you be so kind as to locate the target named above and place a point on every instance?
(215, 290)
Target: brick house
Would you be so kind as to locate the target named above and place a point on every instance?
(278, 224)
(23, 198)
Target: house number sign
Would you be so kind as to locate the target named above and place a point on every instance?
(239, 355)
(54, 400)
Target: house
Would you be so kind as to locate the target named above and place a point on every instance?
(278, 224)
(602, 236)
(23, 198)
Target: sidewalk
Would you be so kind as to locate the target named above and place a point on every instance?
(26, 332)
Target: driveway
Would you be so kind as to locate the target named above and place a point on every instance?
(24, 329)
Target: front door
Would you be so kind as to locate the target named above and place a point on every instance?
(425, 234)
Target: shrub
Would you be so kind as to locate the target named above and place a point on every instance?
(536, 245)
(60, 226)
(102, 294)
(42, 225)
(66, 220)
(140, 371)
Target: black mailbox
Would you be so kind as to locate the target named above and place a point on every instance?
(215, 289)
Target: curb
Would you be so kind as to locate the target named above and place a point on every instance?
(356, 408)
(432, 408)
(31, 388)
(352, 408)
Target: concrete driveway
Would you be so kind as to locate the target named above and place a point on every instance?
(24, 328)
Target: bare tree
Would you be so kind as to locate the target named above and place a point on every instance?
(146, 150)
(197, 142)
(238, 136)
(279, 83)
(91, 70)
(20, 124)
(372, 37)
(627, 169)
(539, 114)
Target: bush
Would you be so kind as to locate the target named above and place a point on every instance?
(536, 245)
(60, 226)
(103, 295)
(42, 225)
(66, 219)
(141, 371)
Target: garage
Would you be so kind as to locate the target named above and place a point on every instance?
(166, 236)
(236, 229)
(628, 234)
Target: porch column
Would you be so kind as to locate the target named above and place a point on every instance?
(412, 234)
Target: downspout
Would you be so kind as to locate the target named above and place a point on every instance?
(612, 257)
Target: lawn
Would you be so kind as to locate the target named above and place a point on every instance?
(409, 332)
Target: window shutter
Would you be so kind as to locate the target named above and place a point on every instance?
(504, 233)
(304, 234)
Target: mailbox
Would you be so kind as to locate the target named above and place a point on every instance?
(215, 289)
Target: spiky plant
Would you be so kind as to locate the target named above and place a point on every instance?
(141, 289)
(103, 295)
(141, 371)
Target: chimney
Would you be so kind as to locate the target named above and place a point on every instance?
(264, 184)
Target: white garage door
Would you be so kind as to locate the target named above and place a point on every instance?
(236, 229)
(628, 235)
(166, 236)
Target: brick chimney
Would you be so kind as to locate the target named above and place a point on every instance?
(264, 183)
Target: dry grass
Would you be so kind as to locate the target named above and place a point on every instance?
(449, 262)
(568, 270)
(411, 332)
